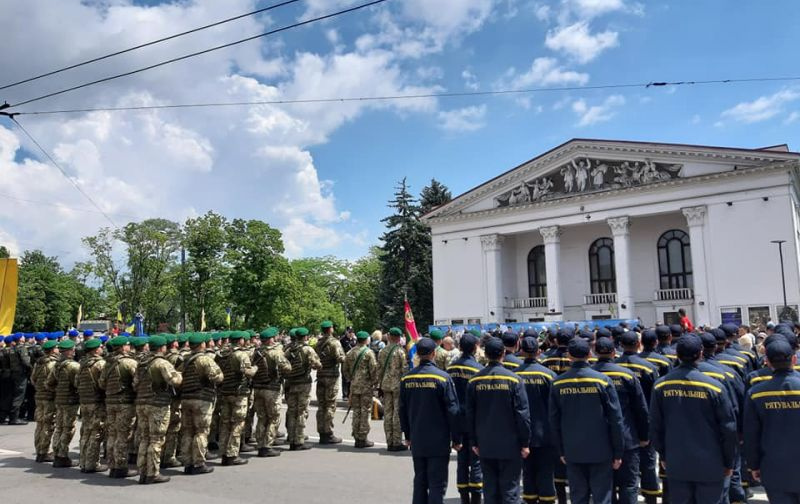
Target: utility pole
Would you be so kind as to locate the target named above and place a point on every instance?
(783, 274)
(183, 289)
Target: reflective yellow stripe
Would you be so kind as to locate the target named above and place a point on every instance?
(550, 498)
(689, 383)
(729, 374)
(659, 361)
(581, 380)
(476, 485)
(714, 375)
(556, 480)
(775, 393)
(730, 363)
(554, 359)
(534, 373)
(635, 366)
(740, 359)
(757, 379)
(494, 377)
(651, 492)
(462, 485)
(530, 496)
(617, 373)
(463, 368)
(510, 364)
(415, 376)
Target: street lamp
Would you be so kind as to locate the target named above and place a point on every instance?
(783, 275)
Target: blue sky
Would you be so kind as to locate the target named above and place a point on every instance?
(323, 173)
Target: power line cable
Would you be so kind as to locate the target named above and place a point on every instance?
(59, 205)
(63, 172)
(198, 53)
(146, 44)
(645, 85)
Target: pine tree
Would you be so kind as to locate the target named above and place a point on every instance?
(434, 195)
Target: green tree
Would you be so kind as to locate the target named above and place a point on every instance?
(46, 299)
(363, 306)
(433, 195)
(205, 274)
(4, 253)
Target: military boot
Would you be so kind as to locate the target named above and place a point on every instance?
(268, 452)
(96, 469)
(246, 448)
(233, 461)
(329, 439)
(158, 478)
(203, 469)
(62, 462)
(299, 447)
(169, 464)
(364, 443)
(44, 457)
(132, 458)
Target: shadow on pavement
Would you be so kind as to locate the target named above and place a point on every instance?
(71, 474)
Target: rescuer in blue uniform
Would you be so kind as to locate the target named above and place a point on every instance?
(428, 417)
(538, 468)
(693, 428)
(586, 424)
(558, 362)
(500, 426)
(469, 478)
(772, 410)
(510, 359)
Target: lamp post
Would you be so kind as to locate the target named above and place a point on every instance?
(783, 275)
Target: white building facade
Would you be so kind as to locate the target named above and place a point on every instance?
(597, 229)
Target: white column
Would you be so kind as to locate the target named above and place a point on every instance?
(620, 228)
(492, 260)
(696, 218)
(552, 257)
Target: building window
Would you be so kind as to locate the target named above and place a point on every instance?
(601, 266)
(537, 273)
(675, 260)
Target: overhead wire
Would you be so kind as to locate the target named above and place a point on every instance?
(60, 205)
(147, 44)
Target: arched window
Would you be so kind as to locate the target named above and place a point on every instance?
(537, 273)
(675, 260)
(602, 274)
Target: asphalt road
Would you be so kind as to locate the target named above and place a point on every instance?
(323, 475)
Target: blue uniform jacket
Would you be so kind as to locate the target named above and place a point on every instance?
(461, 370)
(692, 425)
(511, 361)
(585, 417)
(772, 414)
(662, 362)
(538, 381)
(636, 423)
(668, 351)
(646, 372)
(557, 362)
(428, 410)
(497, 412)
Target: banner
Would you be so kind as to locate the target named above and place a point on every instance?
(9, 278)
(411, 326)
(228, 317)
(536, 326)
(202, 320)
(80, 315)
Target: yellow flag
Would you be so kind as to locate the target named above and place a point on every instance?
(80, 315)
(9, 278)
(202, 320)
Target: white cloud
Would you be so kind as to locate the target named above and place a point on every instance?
(792, 118)
(463, 119)
(543, 72)
(577, 41)
(470, 80)
(593, 8)
(762, 108)
(593, 114)
(695, 119)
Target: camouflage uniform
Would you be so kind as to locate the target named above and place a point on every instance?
(392, 362)
(272, 366)
(63, 381)
(441, 358)
(361, 369)
(238, 370)
(45, 414)
(117, 381)
(303, 359)
(152, 382)
(200, 376)
(174, 430)
(93, 411)
(20, 367)
(331, 355)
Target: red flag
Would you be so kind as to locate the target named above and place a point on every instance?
(411, 326)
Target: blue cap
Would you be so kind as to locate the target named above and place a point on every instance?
(675, 329)
(52, 337)
(629, 339)
(587, 335)
(604, 346)
(103, 338)
(8, 339)
(649, 337)
(510, 339)
(779, 351)
(467, 343)
(494, 348)
(39, 336)
(730, 329)
(73, 333)
(425, 346)
(87, 333)
(719, 335)
(690, 346)
(578, 348)
(530, 344)
(563, 337)
(708, 340)
(604, 333)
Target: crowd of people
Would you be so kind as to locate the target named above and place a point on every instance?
(608, 413)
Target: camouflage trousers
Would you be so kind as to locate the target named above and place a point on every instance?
(173, 432)
(153, 424)
(93, 421)
(66, 416)
(327, 392)
(268, 409)
(391, 417)
(195, 425)
(362, 411)
(120, 421)
(213, 433)
(297, 397)
(231, 423)
(45, 417)
(251, 415)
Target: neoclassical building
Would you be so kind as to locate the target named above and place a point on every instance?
(597, 229)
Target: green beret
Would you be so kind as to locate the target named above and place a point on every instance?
(301, 332)
(66, 345)
(326, 324)
(138, 342)
(183, 337)
(269, 332)
(91, 344)
(217, 336)
(292, 332)
(196, 339)
(362, 335)
(475, 333)
(171, 338)
(118, 341)
(157, 341)
(225, 334)
(395, 331)
(49, 345)
(436, 334)
(245, 335)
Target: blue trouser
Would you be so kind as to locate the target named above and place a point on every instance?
(626, 479)
(695, 492)
(468, 473)
(590, 480)
(647, 469)
(537, 475)
(736, 492)
(430, 479)
(778, 497)
(501, 480)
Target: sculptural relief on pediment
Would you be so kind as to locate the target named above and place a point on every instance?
(585, 175)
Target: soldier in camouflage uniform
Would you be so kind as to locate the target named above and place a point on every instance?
(361, 368)
(141, 353)
(117, 381)
(201, 375)
(214, 345)
(45, 414)
(440, 357)
(238, 370)
(272, 365)
(168, 458)
(153, 381)
(247, 433)
(93, 411)
(392, 362)
(62, 380)
(303, 359)
(331, 355)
